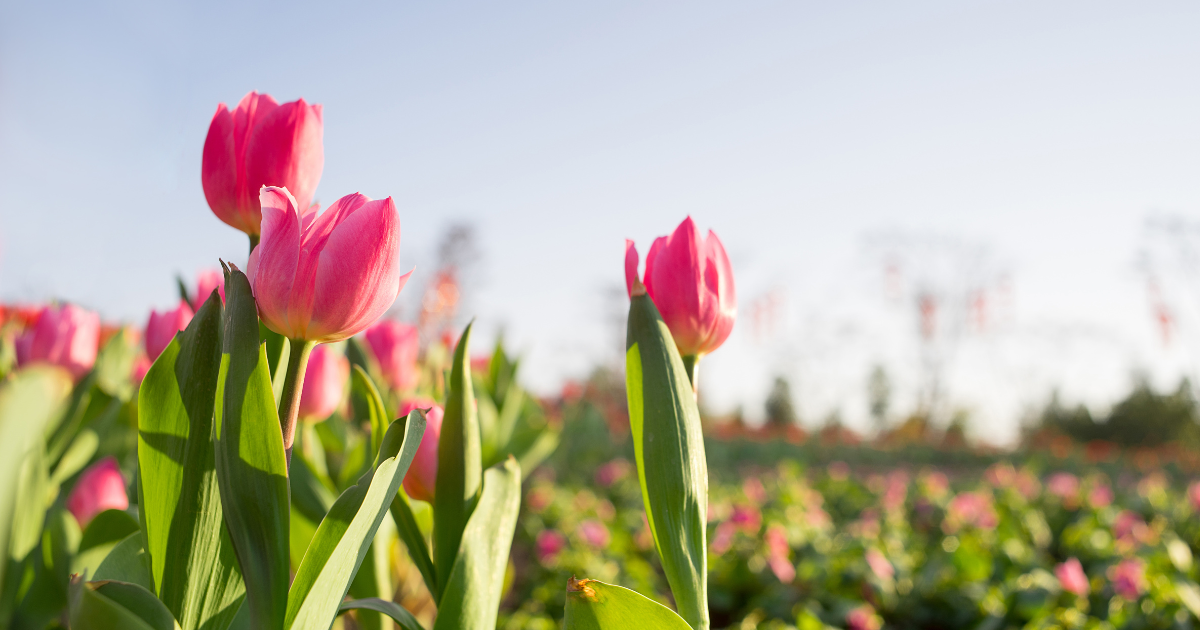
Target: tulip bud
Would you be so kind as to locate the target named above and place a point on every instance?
(396, 346)
(690, 281)
(66, 336)
(324, 383)
(101, 487)
(161, 328)
(325, 278)
(206, 281)
(260, 143)
(421, 478)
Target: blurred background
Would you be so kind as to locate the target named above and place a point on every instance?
(976, 216)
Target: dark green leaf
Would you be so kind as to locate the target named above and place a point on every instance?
(669, 448)
(109, 526)
(346, 533)
(365, 387)
(127, 562)
(110, 605)
(391, 609)
(460, 465)
(78, 454)
(414, 540)
(593, 605)
(250, 461)
(476, 582)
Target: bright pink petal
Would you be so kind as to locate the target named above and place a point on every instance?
(631, 267)
(272, 266)
(285, 149)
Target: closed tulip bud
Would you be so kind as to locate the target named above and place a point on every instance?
(66, 336)
(324, 383)
(396, 346)
(260, 143)
(690, 281)
(325, 278)
(161, 328)
(421, 478)
(101, 487)
(206, 281)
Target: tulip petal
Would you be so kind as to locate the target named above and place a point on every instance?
(631, 267)
(273, 264)
(219, 168)
(719, 282)
(284, 148)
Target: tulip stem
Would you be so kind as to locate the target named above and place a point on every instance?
(293, 386)
(690, 361)
(253, 242)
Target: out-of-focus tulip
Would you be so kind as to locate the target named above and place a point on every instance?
(1065, 486)
(396, 346)
(550, 543)
(324, 383)
(100, 487)
(260, 143)
(206, 281)
(141, 365)
(879, 564)
(65, 335)
(863, 618)
(594, 533)
(421, 478)
(1072, 578)
(325, 278)
(778, 554)
(161, 328)
(690, 280)
(970, 509)
(1129, 578)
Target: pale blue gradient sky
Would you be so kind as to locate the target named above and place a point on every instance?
(1044, 131)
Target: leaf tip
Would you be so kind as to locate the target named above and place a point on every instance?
(581, 586)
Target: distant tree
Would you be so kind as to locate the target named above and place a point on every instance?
(879, 394)
(1143, 418)
(780, 410)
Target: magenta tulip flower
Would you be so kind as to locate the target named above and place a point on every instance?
(690, 280)
(161, 328)
(206, 281)
(101, 487)
(1129, 578)
(396, 346)
(324, 383)
(421, 478)
(1072, 578)
(260, 143)
(65, 335)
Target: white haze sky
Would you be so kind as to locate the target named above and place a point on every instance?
(1032, 138)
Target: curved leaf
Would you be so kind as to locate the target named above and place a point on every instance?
(593, 605)
(195, 572)
(391, 609)
(362, 384)
(460, 465)
(414, 540)
(127, 562)
(250, 462)
(475, 585)
(346, 532)
(108, 605)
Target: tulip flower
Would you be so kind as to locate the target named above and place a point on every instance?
(396, 346)
(101, 487)
(421, 478)
(318, 279)
(260, 143)
(1129, 578)
(66, 336)
(690, 281)
(161, 328)
(206, 281)
(1072, 578)
(324, 383)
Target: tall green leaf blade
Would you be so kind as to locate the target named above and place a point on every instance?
(110, 605)
(346, 533)
(593, 605)
(127, 562)
(250, 462)
(194, 568)
(669, 448)
(475, 585)
(414, 540)
(362, 384)
(460, 465)
(401, 616)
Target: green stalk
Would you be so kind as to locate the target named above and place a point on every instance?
(690, 362)
(253, 242)
(293, 386)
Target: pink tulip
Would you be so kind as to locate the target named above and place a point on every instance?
(690, 280)
(594, 533)
(324, 383)
(1065, 486)
(206, 281)
(396, 346)
(101, 487)
(66, 336)
(1129, 578)
(161, 328)
(1070, 574)
(863, 618)
(421, 478)
(141, 365)
(260, 143)
(549, 544)
(879, 564)
(325, 278)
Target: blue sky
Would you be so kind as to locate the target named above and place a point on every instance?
(1041, 134)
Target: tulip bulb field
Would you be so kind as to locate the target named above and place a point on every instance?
(276, 451)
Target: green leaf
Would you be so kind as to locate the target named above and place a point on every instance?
(476, 582)
(346, 533)
(362, 384)
(30, 510)
(310, 497)
(460, 465)
(374, 578)
(47, 593)
(78, 454)
(391, 609)
(110, 605)
(195, 572)
(669, 448)
(250, 461)
(127, 562)
(114, 366)
(414, 540)
(109, 526)
(593, 605)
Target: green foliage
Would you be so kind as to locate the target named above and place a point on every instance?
(510, 421)
(593, 605)
(780, 410)
(1143, 418)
